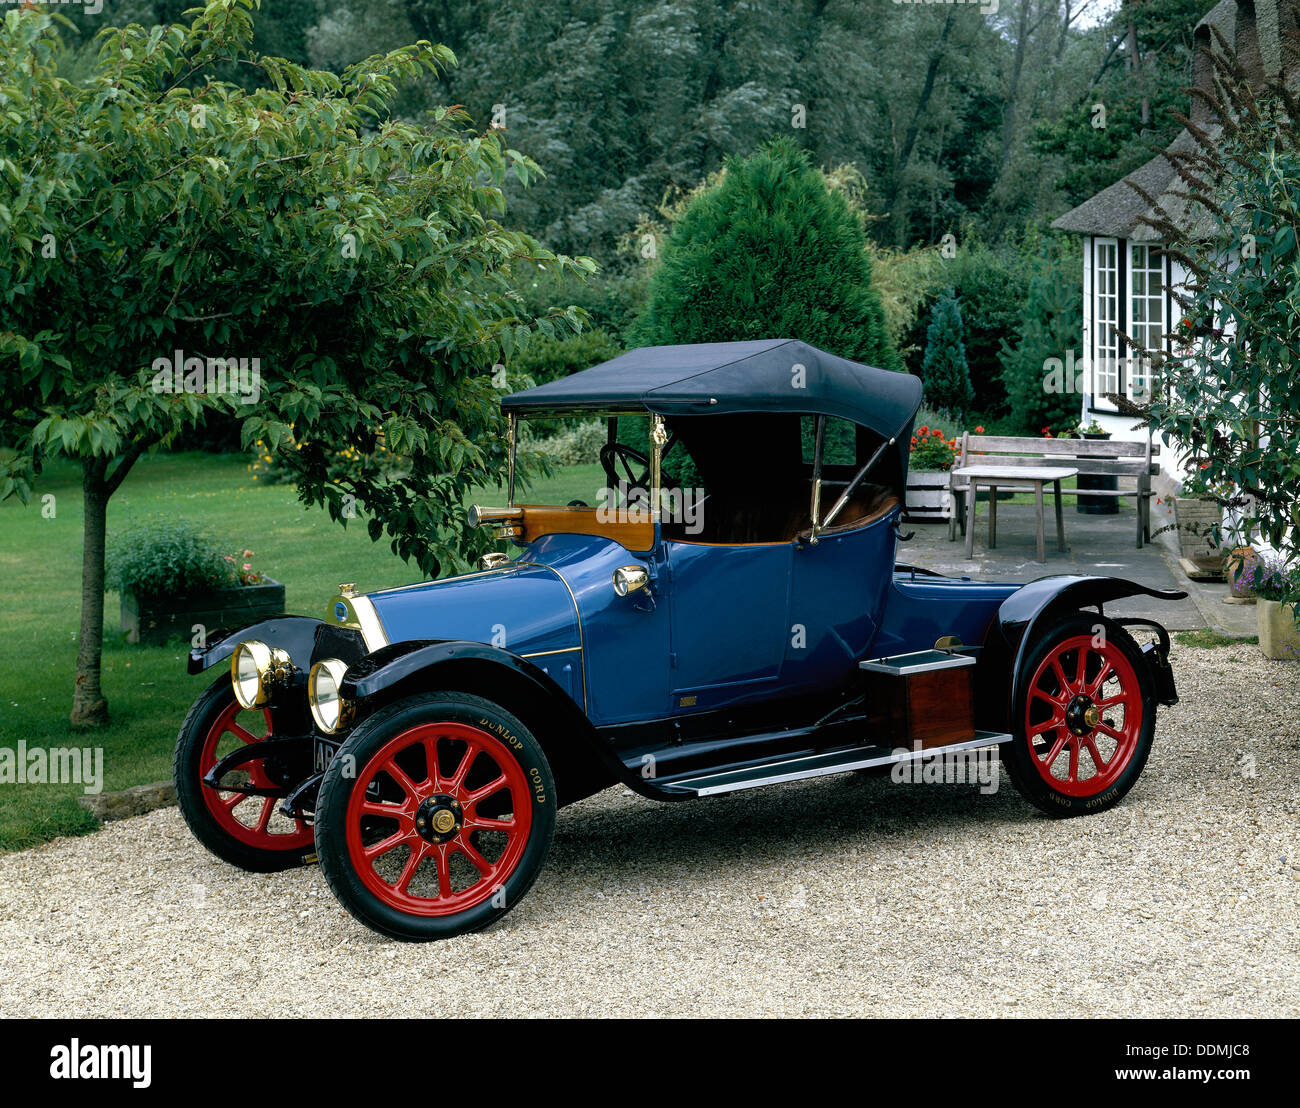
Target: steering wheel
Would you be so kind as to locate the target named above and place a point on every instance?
(616, 454)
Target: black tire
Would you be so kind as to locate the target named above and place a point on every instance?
(192, 795)
(450, 721)
(1035, 736)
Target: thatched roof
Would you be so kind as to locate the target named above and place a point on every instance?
(1118, 210)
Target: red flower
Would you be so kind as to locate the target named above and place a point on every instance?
(924, 431)
(937, 433)
(913, 440)
(1046, 431)
(979, 430)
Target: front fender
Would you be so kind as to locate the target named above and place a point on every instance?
(296, 634)
(1033, 606)
(582, 761)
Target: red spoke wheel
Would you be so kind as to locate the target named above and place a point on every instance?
(1086, 718)
(435, 816)
(246, 830)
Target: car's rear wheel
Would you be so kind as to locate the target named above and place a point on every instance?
(1086, 719)
(435, 816)
(245, 830)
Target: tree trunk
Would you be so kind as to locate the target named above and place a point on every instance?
(89, 708)
(913, 129)
(1013, 89)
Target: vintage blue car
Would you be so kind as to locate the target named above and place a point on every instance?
(727, 614)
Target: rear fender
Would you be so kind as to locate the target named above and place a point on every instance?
(1032, 608)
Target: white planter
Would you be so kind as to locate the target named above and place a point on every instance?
(1279, 635)
(928, 497)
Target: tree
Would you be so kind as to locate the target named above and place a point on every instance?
(767, 252)
(175, 245)
(1048, 329)
(1138, 72)
(991, 284)
(1228, 391)
(944, 371)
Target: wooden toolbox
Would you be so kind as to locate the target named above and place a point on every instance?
(927, 698)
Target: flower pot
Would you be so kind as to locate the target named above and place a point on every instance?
(1279, 634)
(929, 497)
(1195, 518)
(157, 619)
(1096, 505)
(1241, 559)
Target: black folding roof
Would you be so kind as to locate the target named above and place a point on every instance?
(720, 377)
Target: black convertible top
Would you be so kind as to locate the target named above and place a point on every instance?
(721, 377)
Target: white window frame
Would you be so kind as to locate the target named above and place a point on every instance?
(1106, 312)
(1149, 332)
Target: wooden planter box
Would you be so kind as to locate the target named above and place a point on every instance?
(158, 619)
(1194, 519)
(928, 497)
(1279, 636)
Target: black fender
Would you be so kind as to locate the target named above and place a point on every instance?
(295, 634)
(581, 761)
(1032, 607)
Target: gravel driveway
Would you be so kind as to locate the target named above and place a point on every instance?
(842, 896)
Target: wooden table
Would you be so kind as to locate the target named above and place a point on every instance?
(1013, 477)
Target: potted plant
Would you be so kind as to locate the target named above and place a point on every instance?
(1236, 563)
(1278, 619)
(175, 581)
(928, 492)
(1198, 517)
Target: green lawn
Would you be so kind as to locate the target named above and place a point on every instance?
(148, 689)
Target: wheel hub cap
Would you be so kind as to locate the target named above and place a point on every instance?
(438, 818)
(1082, 716)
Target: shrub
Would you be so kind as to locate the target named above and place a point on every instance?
(611, 300)
(944, 372)
(172, 557)
(1050, 325)
(579, 445)
(546, 359)
(992, 286)
(905, 280)
(1226, 390)
(1269, 579)
(768, 252)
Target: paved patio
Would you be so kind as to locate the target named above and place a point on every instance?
(1096, 544)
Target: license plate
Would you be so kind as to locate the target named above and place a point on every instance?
(323, 753)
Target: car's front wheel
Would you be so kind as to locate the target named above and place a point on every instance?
(1086, 718)
(435, 816)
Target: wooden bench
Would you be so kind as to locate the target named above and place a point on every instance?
(1091, 457)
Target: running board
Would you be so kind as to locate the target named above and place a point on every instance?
(815, 765)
